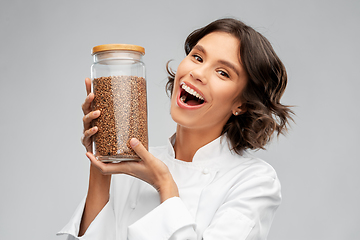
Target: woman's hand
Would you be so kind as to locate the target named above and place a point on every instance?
(89, 115)
(150, 170)
(99, 185)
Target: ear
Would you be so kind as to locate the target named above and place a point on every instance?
(239, 110)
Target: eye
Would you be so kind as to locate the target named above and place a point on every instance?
(197, 58)
(223, 73)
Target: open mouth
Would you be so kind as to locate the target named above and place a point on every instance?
(189, 96)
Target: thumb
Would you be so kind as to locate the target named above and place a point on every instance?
(139, 148)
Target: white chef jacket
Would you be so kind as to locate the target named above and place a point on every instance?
(222, 196)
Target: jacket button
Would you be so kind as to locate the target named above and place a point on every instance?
(133, 205)
(205, 171)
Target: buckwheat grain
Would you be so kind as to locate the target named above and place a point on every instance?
(123, 106)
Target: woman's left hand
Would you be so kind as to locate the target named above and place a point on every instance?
(149, 169)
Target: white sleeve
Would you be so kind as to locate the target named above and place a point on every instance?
(246, 214)
(102, 227)
(170, 220)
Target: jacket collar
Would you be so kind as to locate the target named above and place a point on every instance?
(211, 151)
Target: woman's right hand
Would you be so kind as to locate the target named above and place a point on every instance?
(89, 115)
(99, 184)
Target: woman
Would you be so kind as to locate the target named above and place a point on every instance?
(225, 99)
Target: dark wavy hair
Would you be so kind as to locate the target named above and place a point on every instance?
(262, 113)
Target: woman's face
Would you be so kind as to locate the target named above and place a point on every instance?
(208, 83)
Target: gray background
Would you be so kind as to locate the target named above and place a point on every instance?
(45, 56)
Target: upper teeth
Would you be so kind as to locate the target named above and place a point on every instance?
(191, 91)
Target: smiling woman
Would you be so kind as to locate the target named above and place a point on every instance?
(261, 113)
(225, 99)
(215, 74)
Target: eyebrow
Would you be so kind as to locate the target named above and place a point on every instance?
(223, 62)
(230, 65)
(200, 48)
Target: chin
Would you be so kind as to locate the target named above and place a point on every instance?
(180, 118)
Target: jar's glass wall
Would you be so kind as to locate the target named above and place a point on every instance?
(120, 94)
(117, 64)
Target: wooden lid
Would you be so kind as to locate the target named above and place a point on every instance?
(112, 47)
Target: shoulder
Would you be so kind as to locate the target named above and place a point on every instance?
(259, 167)
(246, 167)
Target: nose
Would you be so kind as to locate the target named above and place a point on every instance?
(199, 75)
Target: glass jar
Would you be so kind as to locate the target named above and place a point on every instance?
(119, 86)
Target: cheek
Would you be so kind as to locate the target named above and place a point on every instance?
(226, 95)
(184, 67)
(173, 97)
(178, 76)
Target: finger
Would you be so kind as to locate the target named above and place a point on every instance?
(86, 106)
(110, 168)
(89, 117)
(86, 138)
(88, 85)
(139, 149)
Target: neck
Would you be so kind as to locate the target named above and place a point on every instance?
(188, 141)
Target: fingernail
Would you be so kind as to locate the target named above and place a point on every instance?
(134, 142)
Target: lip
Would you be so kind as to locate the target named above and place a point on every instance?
(195, 88)
(186, 106)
